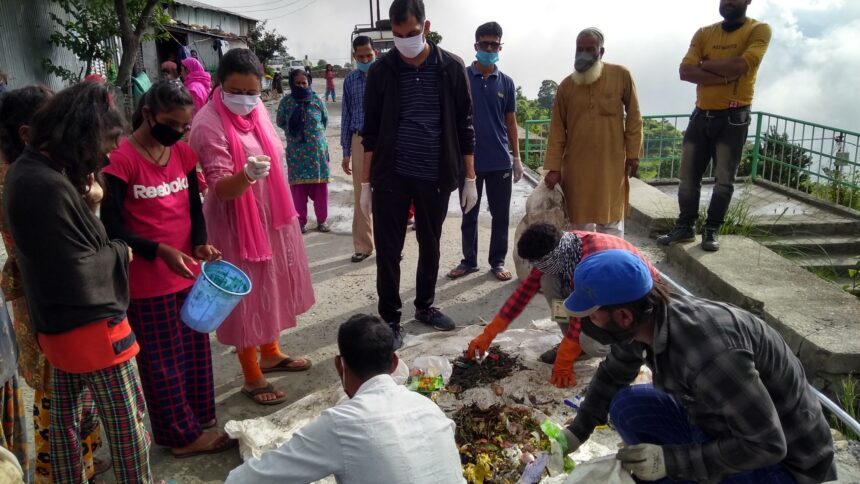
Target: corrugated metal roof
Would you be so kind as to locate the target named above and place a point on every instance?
(196, 4)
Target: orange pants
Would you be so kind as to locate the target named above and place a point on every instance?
(251, 366)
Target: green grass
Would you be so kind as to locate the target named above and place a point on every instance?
(846, 397)
(738, 220)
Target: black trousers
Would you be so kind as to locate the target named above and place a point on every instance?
(390, 212)
(717, 136)
(499, 189)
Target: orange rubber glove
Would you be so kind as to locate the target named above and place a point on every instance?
(483, 341)
(562, 373)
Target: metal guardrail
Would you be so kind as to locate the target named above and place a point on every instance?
(821, 161)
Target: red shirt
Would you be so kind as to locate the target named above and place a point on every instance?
(329, 79)
(592, 242)
(156, 207)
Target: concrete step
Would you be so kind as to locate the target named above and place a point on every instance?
(838, 263)
(788, 228)
(813, 245)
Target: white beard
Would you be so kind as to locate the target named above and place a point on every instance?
(588, 77)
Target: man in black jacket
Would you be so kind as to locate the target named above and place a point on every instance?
(419, 145)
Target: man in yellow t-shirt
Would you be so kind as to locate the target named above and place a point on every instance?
(722, 62)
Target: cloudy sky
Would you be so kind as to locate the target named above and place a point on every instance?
(811, 70)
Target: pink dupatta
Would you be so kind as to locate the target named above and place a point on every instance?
(253, 241)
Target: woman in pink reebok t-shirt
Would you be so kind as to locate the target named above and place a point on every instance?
(153, 204)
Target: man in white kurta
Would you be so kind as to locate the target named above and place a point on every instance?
(384, 433)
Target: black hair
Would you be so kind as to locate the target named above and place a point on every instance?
(489, 28)
(538, 240)
(361, 40)
(193, 51)
(401, 9)
(17, 108)
(646, 307)
(163, 96)
(73, 127)
(239, 61)
(299, 72)
(366, 345)
(328, 66)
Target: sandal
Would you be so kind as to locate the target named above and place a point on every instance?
(222, 444)
(324, 228)
(286, 365)
(304, 229)
(253, 394)
(358, 257)
(460, 271)
(210, 424)
(501, 273)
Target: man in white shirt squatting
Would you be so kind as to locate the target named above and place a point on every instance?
(384, 433)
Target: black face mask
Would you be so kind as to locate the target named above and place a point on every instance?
(609, 336)
(164, 134)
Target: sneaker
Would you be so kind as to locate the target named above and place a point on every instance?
(434, 317)
(398, 335)
(678, 234)
(710, 240)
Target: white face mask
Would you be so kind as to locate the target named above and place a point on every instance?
(240, 104)
(410, 47)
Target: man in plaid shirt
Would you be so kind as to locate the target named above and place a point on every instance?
(554, 255)
(352, 121)
(730, 402)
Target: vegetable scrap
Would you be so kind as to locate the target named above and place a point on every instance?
(496, 444)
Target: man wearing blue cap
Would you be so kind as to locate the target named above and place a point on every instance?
(730, 402)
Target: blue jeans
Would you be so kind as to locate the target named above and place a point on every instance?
(644, 414)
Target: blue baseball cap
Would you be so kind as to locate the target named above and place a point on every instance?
(608, 277)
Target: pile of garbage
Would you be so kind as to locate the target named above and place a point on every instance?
(494, 366)
(497, 443)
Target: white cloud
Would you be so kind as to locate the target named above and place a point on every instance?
(809, 72)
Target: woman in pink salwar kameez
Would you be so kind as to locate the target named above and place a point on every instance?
(250, 216)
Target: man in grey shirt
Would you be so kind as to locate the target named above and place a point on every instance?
(729, 402)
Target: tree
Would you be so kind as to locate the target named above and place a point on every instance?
(546, 93)
(780, 161)
(92, 23)
(266, 43)
(662, 156)
(135, 18)
(85, 33)
(322, 63)
(434, 37)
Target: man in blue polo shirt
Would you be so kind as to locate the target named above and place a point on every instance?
(494, 105)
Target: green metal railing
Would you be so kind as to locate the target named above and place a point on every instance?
(819, 160)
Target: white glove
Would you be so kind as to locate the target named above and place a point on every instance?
(573, 443)
(257, 167)
(366, 201)
(518, 169)
(469, 198)
(645, 461)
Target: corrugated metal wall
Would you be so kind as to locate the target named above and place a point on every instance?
(24, 30)
(210, 19)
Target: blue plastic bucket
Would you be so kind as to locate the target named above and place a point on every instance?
(215, 294)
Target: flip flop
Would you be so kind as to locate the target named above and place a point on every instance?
(223, 444)
(284, 365)
(501, 273)
(460, 271)
(358, 257)
(252, 394)
(210, 424)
